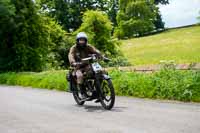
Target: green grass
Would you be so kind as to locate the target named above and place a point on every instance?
(181, 45)
(165, 84)
(47, 79)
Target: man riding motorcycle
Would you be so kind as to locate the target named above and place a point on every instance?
(77, 52)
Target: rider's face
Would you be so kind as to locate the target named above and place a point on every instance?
(82, 41)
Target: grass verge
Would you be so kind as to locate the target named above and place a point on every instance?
(165, 84)
(48, 79)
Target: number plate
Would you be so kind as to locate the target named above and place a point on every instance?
(96, 67)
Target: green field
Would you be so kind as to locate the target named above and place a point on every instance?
(181, 45)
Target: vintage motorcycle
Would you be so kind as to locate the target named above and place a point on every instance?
(97, 84)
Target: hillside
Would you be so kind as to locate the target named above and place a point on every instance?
(181, 45)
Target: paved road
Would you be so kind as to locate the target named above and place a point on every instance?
(26, 110)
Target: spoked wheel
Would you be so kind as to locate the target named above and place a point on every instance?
(76, 95)
(108, 94)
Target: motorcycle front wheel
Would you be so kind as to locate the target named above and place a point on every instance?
(76, 95)
(107, 98)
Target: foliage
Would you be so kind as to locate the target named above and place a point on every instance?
(117, 62)
(69, 12)
(135, 18)
(47, 79)
(199, 17)
(158, 23)
(180, 45)
(28, 40)
(22, 43)
(166, 84)
(113, 8)
(62, 52)
(161, 2)
(7, 10)
(59, 44)
(98, 27)
(32, 39)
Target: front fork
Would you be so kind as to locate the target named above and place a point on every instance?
(98, 80)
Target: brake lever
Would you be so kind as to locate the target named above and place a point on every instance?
(106, 59)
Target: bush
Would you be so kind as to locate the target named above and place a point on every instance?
(59, 58)
(49, 79)
(116, 61)
(165, 84)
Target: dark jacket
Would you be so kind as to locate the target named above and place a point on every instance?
(76, 54)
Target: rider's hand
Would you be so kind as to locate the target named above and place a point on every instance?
(77, 64)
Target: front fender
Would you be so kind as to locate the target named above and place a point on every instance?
(106, 77)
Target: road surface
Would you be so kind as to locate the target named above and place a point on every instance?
(27, 110)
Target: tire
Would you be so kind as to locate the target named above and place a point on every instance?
(76, 97)
(103, 97)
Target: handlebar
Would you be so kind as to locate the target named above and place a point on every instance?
(106, 59)
(94, 57)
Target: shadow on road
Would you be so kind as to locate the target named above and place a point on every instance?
(100, 109)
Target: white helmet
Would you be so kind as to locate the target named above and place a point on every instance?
(81, 35)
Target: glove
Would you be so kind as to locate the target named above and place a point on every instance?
(77, 64)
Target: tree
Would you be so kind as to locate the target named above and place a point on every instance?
(199, 17)
(113, 8)
(57, 40)
(159, 24)
(98, 27)
(7, 25)
(135, 18)
(27, 37)
(69, 12)
(161, 2)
